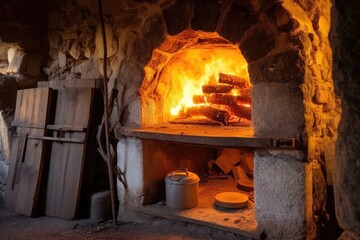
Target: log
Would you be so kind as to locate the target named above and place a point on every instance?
(210, 112)
(216, 88)
(247, 163)
(244, 92)
(241, 111)
(233, 80)
(244, 99)
(227, 160)
(197, 99)
(222, 99)
(243, 181)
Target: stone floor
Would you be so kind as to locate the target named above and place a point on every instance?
(16, 226)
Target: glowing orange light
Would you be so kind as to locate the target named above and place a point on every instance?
(210, 75)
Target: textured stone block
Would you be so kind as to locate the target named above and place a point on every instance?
(8, 90)
(277, 109)
(111, 43)
(130, 161)
(282, 186)
(283, 67)
(177, 17)
(258, 44)
(238, 19)
(206, 15)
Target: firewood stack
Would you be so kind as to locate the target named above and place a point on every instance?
(219, 104)
(238, 163)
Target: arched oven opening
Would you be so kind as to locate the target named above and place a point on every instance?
(195, 78)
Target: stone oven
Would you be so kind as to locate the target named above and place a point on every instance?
(289, 121)
(280, 108)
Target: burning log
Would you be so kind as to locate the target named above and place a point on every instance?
(233, 80)
(244, 99)
(197, 99)
(222, 99)
(216, 88)
(241, 111)
(246, 92)
(210, 112)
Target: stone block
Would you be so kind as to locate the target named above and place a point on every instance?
(134, 119)
(88, 69)
(321, 95)
(69, 34)
(8, 90)
(15, 58)
(75, 50)
(148, 109)
(61, 59)
(11, 53)
(4, 169)
(283, 194)
(130, 161)
(238, 19)
(24, 82)
(25, 63)
(6, 117)
(283, 67)
(347, 168)
(111, 43)
(277, 110)
(153, 30)
(258, 44)
(206, 15)
(4, 49)
(54, 40)
(31, 64)
(177, 17)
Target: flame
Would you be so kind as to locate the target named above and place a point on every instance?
(209, 74)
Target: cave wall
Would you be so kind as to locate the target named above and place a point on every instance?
(344, 40)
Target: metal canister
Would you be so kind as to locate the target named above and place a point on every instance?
(182, 189)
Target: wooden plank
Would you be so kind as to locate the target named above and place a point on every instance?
(26, 162)
(57, 139)
(28, 125)
(71, 83)
(218, 136)
(73, 108)
(66, 128)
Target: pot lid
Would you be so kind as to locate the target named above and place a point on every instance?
(182, 176)
(231, 200)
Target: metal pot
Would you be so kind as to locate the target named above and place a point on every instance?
(182, 189)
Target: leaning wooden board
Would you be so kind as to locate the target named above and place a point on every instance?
(73, 111)
(27, 154)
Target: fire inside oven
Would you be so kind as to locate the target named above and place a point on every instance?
(202, 79)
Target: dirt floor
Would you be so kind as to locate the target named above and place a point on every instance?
(16, 226)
